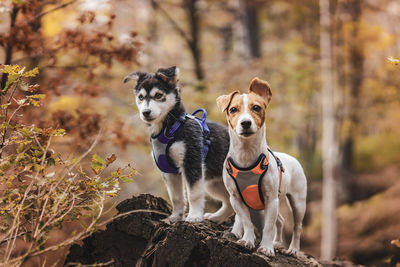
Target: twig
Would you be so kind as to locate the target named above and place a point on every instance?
(51, 10)
(180, 31)
(5, 117)
(88, 265)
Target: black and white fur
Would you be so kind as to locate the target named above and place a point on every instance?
(159, 102)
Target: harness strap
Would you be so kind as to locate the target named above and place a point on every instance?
(167, 137)
(280, 168)
(176, 125)
(206, 130)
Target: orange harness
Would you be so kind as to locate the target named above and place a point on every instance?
(248, 180)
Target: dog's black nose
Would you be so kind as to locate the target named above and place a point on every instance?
(146, 112)
(246, 124)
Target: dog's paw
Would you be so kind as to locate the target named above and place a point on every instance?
(207, 215)
(279, 245)
(212, 217)
(237, 234)
(175, 217)
(292, 252)
(269, 252)
(247, 243)
(230, 235)
(194, 218)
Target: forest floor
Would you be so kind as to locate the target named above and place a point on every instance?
(368, 225)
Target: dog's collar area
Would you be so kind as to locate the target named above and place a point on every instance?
(261, 162)
(162, 141)
(248, 180)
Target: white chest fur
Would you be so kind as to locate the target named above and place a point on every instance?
(177, 153)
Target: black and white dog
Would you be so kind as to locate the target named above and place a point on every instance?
(178, 142)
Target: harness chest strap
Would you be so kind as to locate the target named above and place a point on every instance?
(281, 169)
(164, 140)
(248, 180)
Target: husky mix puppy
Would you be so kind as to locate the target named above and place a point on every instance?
(158, 99)
(276, 176)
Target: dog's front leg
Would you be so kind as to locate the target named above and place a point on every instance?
(270, 217)
(237, 228)
(244, 216)
(194, 179)
(176, 195)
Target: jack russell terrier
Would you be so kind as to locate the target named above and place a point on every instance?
(255, 177)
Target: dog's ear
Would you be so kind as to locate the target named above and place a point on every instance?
(169, 75)
(261, 88)
(224, 101)
(136, 76)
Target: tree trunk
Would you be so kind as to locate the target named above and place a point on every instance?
(247, 29)
(227, 40)
(153, 38)
(355, 76)
(329, 145)
(194, 44)
(8, 49)
(252, 26)
(192, 39)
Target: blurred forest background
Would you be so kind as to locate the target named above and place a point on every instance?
(84, 48)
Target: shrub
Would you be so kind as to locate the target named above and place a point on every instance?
(40, 191)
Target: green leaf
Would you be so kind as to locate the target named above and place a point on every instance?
(10, 82)
(25, 132)
(126, 179)
(11, 69)
(20, 148)
(37, 96)
(31, 73)
(98, 164)
(8, 219)
(4, 106)
(34, 102)
(59, 132)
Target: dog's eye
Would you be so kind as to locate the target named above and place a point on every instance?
(232, 110)
(256, 108)
(158, 96)
(141, 97)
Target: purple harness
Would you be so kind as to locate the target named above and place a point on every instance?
(162, 142)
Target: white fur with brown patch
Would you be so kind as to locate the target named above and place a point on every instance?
(246, 115)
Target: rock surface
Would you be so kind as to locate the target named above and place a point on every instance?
(145, 238)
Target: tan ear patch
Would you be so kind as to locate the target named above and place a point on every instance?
(261, 88)
(224, 101)
(257, 115)
(238, 104)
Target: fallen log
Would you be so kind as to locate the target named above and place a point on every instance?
(144, 237)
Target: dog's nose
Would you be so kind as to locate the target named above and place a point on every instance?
(245, 124)
(146, 112)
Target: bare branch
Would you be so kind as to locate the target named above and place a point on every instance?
(180, 31)
(51, 11)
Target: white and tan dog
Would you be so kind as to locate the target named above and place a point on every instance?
(246, 115)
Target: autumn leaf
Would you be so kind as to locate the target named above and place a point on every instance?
(111, 159)
(396, 243)
(393, 61)
(98, 164)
